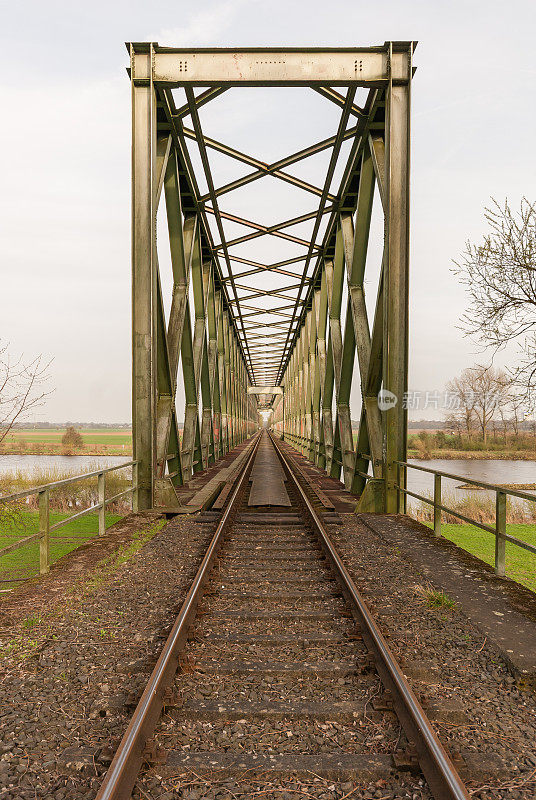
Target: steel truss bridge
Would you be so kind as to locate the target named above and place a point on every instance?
(249, 335)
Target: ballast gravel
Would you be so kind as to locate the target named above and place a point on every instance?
(71, 676)
(465, 686)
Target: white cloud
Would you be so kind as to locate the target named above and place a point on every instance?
(204, 27)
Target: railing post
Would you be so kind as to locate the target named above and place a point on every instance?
(101, 486)
(44, 526)
(500, 531)
(135, 488)
(437, 504)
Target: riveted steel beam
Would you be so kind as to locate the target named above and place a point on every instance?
(370, 66)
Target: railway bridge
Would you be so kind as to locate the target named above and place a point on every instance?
(269, 622)
(252, 334)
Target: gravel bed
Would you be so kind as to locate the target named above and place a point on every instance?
(71, 676)
(295, 627)
(274, 687)
(285, 736)
(190, 786)
(198, 651)
(465, 686)
(222, 604)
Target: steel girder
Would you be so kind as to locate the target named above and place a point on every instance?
(303, 331)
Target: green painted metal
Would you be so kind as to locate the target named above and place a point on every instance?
(319, 331)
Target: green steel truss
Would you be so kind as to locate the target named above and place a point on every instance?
(306, 330)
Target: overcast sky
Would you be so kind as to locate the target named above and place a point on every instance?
(65, 161)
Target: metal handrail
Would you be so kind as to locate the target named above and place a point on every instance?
(43, 492)
(501, 493)
(482, 484)
(36, 489)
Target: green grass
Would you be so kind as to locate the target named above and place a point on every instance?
(62, 541)
(520, 564)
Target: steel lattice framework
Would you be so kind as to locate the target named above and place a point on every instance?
(228, 326)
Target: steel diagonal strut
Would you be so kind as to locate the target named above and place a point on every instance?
(275, 169)
(327, 183)
(210, 183)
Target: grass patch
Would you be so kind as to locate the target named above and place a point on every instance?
(37, 630)
(62, 541)
(435, 598)
(520, 564)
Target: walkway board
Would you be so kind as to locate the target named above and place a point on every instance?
(267, 478)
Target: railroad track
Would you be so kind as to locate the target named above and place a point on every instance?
(275, 646)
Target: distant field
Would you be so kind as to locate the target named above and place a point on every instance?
(90, 436)
(109, 441)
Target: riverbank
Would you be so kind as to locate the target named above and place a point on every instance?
(473, 455)
(59, 450)
(520, 564)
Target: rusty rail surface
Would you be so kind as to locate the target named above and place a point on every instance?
(436, 765)
(123, 771)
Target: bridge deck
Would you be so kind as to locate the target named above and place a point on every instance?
(267, 478)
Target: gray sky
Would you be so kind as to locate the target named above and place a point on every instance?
(65, 161)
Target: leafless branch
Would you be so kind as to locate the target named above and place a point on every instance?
(23, 387)
(500, 278)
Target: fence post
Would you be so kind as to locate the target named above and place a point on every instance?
(44, 530)
(135, 488)
(500, 531)
(437, 503)
(101, 487)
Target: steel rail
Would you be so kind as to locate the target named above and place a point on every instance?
(438, 769)
(123, 771)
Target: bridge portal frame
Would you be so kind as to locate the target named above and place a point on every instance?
(317, 367)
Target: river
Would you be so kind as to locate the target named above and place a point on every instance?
(75, 465)
(488, 470)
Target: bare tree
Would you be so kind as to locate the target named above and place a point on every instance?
(463, 415)
(500, 276)
(22, 388)
(480, 391)
(513, 405)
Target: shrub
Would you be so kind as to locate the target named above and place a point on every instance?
(72, 438)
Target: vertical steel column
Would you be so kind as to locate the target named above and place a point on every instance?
(395, 346)
(212, 320)
(222, 371)
(311, 434)
(143, 272)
